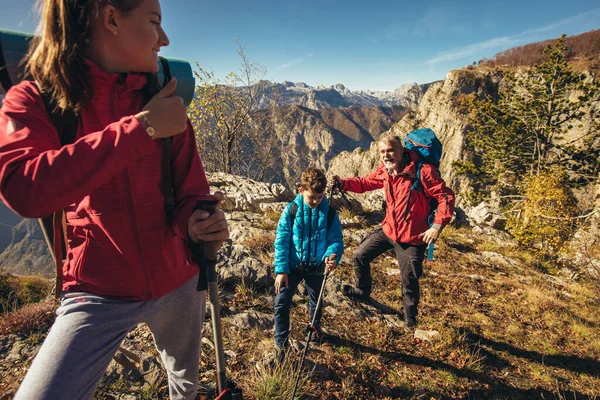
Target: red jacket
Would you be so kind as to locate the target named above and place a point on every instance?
(119, 244)
(395, 225)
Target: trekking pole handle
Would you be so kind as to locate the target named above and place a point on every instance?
(430, 249)
(330, 257)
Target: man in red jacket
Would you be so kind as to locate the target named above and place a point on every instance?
(405, 227)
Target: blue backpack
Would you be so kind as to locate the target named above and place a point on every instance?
(429, 148)
(424, 142)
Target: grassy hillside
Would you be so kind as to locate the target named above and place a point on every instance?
(508, 328)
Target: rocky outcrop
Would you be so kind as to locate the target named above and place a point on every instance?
(439, 109)
(483, 214)
(28, 252)
(313, 138)
(242, 194)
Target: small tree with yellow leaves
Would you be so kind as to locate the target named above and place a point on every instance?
(546, 218)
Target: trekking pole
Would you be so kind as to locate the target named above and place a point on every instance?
(225, 392)
(225, 389)
(311, 327)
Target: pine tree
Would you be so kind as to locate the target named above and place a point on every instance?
(522, 132)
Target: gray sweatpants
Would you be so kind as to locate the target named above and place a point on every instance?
(89, 329)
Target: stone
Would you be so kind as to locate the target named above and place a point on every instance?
(236, 263)
(426, 336)
(252, 319)
(484, 214)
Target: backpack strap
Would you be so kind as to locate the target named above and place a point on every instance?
(293, 213)
(416, 185)
(166, 184)
(54, 225)
(5, 80)
(330, 216)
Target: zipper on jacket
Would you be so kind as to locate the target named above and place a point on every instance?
(136, 235)
(309, 234)
(130, 208)
(393, 205)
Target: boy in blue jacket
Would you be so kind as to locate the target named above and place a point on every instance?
(309, 231)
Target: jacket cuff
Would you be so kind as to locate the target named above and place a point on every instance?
(281, 271)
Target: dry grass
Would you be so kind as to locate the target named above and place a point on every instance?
(274, 381)
(261, 244)
(29, 319)
(506, 332)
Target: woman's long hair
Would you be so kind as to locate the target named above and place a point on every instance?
(56, 56)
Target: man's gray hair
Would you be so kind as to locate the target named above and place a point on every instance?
(394, 139)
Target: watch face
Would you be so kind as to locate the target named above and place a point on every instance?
(150, 131)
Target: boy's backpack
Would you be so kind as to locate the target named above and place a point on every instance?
(429, 149)
(330, 214)
(54, 225)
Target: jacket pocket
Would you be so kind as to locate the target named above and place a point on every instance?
(81, 257)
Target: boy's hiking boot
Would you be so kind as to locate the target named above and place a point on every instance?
(355, 293)
(276, 356)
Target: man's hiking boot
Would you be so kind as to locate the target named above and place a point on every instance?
(355, 293)
(411, 324)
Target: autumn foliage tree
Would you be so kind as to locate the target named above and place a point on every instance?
(233, 120)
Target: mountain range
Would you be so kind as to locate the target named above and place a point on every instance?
(339, 96)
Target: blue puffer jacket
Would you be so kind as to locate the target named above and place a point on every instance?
(323, 242)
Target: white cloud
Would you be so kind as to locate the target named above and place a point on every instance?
(527, 36)
(474, 49)
(295, 62)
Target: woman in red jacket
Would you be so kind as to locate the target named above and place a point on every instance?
(405, 227)
(127, 260)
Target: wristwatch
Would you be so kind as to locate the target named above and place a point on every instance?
(149, 130)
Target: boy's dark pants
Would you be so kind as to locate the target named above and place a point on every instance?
(283, 303)
(410, 260)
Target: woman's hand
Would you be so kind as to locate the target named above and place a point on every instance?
(212, 229)
(165, 114)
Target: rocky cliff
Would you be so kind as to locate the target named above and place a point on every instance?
(439, 109)
(312, 138)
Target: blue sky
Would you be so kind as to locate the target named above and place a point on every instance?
(362, 44)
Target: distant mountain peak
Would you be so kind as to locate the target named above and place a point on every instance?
(338, 95)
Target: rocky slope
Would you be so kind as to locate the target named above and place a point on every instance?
(481, 302)
(8, 220)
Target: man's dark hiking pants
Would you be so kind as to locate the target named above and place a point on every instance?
(410, 260)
